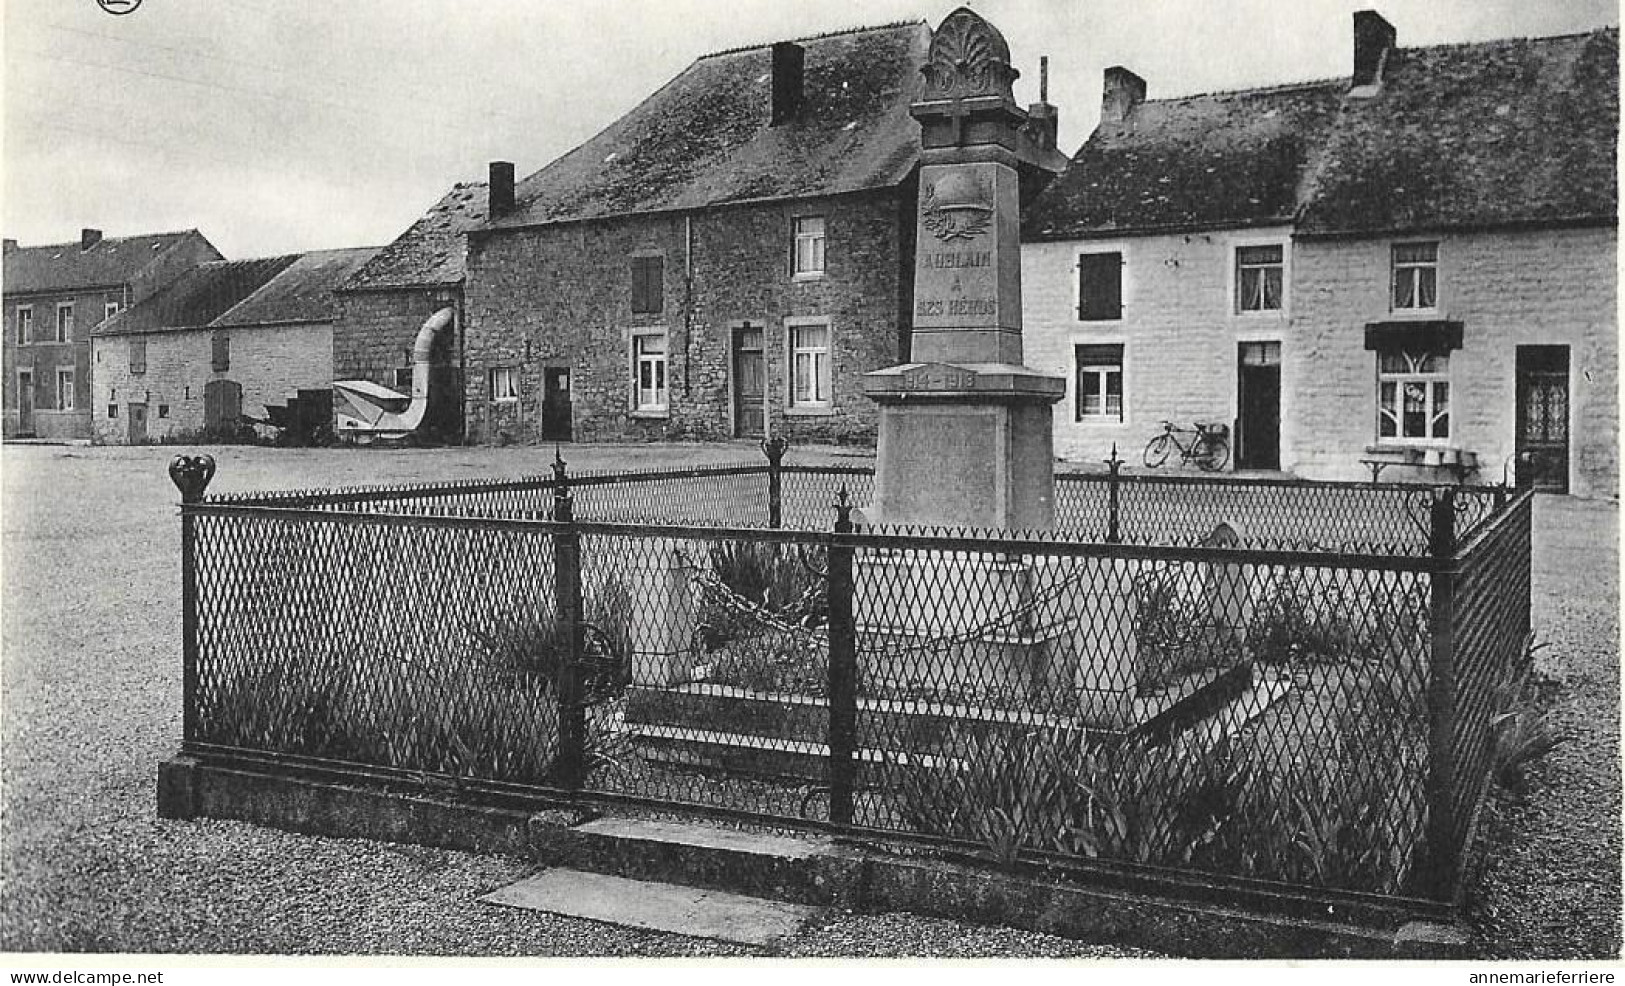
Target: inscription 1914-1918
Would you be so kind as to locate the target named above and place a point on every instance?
(938, 378)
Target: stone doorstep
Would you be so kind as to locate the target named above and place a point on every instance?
(665, 907)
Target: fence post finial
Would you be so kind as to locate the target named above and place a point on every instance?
(843, 512)
(1114, 464)
(191, 475)
(774, 448)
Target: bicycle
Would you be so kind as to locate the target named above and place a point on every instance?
(1210, 449)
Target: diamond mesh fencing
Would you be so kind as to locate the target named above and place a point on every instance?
(1286, 515)
(1489, 627)
(726, 646)
(1222, 711)
(1309, 717)
(422, 648)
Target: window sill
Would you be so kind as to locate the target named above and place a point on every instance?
(822, 411)
(803, 278)
(1100, 423)
(1418, 313)
(649, 413)
(503, 401)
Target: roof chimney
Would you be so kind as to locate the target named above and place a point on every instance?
(1122, 92)
(788, 60)
(1373, 37)
(89, 238)
(1041, 116)
(499, 193)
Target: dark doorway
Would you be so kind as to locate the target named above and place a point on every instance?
(222, 406)
(25, 402)
(1258, 427)
(750, 385)
(138, 424)
(1543, 418)
(556, 404)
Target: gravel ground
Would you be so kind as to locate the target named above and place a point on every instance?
(91, 704)
(1551, 881)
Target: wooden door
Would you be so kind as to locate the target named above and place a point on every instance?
(137, 418)
(556, 404)
(1543, 418)
(1258, 425)
(25, 402)
(750, 383)
(222, 406)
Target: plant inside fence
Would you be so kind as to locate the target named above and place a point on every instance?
(1348, 815)
(488, 710)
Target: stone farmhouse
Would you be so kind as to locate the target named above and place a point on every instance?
(726, 260)
(1410, 272)
(54, 296)
(225, 340)
(380, 308)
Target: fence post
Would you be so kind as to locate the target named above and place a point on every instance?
(1443, 852)
(1114, 534)
(567, 605)
(191, 475)
(843, 668)
(775, 448)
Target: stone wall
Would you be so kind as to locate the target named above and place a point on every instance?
(270, 363)
(1546, 287)
(1181, 335)
(562, 296)
(44, 356)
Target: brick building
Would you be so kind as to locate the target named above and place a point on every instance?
(379, 309)
(725, 260)
(226, 339)
(1414, 265)
(54, 296)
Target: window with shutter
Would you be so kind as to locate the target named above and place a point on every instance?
(648, 289)
(138, 355)
(1100, 287)
(222, 351)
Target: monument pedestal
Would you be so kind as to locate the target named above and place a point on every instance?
(966, 445)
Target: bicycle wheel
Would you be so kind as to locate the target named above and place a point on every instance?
(1157, 450)
(1212, 453)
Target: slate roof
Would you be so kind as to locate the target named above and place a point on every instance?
(1459, 136)
(197, 297)
(432, 251)
(1504, 132)
(1222, 159)
(704, 138)
(62, 266)
(302, 292)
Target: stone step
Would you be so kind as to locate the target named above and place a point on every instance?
(654, 906)
(805, 869)
(901, 724)
(765, 756)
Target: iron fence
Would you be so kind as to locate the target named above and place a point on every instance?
(1264, 710)
(1111, 507)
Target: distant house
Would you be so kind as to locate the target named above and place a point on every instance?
(1414, 265)
(380, 308)
(726, 260)
(226, 340)
(54, 296)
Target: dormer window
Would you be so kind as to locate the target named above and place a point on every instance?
(1416, 277)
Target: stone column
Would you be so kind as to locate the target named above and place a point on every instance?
(965, 430)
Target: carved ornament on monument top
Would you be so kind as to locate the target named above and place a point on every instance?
(969, 58)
